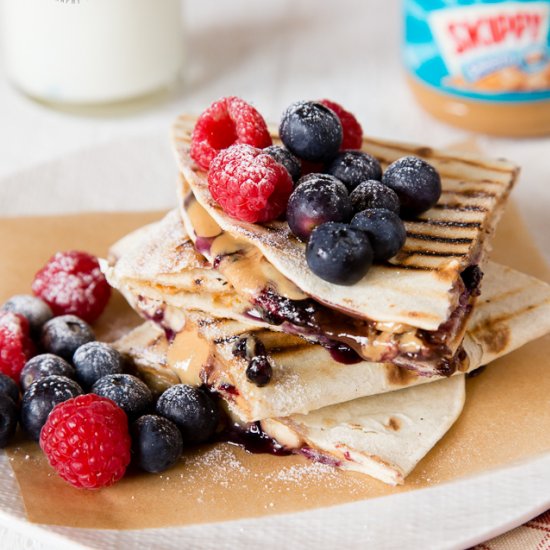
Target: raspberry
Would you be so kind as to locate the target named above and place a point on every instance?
(72, 283)
(248, 184)
(353, 133)
(16, 347)
(227, 121)
(86, 440)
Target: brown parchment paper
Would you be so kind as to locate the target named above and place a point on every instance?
(506, 417)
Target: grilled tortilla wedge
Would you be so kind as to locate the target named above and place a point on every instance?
(513, 309)
(426, 292)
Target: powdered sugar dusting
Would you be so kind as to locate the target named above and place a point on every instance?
(313, 471)
(218, 472)
(143, 254)
(220, 463)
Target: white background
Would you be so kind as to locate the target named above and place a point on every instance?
(269, 53)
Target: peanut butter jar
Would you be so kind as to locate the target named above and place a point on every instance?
(481, 65)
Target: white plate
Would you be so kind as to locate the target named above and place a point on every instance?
(139, 174)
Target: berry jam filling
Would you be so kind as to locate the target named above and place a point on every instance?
(158, 317)
(253, 439)
(471, 277)
(348, 338)
(203, 244)
(316, 456)
(229, 390)
(343, 353)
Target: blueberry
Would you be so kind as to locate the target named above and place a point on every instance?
(156, 442)
(36, 311)
(127, 391)
(385, 230)
(338, 253)
(63, 335)
(8, 419)
(43, 365)
(192, 410)
(259, 370)
(373, 194)
(311, 131)
(41, 397)
(287, 159)
(318, 198)
(416, 183)
(95, 360)
(353, 167)
(9, 387)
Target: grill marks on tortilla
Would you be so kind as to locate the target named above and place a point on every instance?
(398, 376)
(460, 207)
(494, 335)
(393, 424)
(449, 232)
(439, 239)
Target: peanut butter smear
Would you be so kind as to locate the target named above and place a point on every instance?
(242, 264)
(188, 355)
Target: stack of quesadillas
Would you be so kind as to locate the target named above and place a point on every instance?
(367, 377)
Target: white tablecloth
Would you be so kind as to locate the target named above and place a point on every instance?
(270, 53)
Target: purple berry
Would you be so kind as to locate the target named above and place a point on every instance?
(353, 167)
(44, 365)
(63, 335)
(41, 397)
(311, 131)
(156, 443)
(373, 194)
(338, 253)
(259, 370)
(385, 230)
(318, 198)
(416, 183)
(9, 387)
(287, 159)
(193, 411)
(95, 360)
(8, 419)
(129, 392)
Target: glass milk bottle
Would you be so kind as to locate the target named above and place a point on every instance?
(91, 51)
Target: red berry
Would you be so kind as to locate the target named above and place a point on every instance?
(16, 347)
(86, 440)
(353, 133)
(72, 283)
(227, 121)
(248, 184)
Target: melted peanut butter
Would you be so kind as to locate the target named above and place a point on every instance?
(243, 265)
(204, 225)
(188, 355)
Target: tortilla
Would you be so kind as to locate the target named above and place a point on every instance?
(513, 309)
(383, 436)
(421, 286)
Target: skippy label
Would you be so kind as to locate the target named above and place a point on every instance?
(497, 51)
